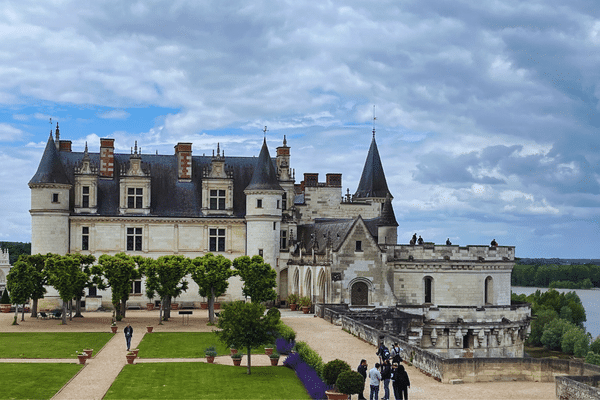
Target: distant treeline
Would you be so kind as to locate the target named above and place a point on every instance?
(557, 276)
(15, 249)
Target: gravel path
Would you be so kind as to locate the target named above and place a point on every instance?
(328, 340)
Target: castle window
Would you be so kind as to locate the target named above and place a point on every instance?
(260, 252)
(274, 226)
(283, 240)
(135, 197)
(278, 204)
(92, 291)
(216, 239)
(85, 196)
(136, 287)
(284, 201)
(134, 239)
(428, 282)
(55, 197)
(85, 238)
(358, 245)
(217, 199)
(258, 203)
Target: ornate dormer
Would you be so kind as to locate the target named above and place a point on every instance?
(134, 180)
(86, 185)
(217, 186)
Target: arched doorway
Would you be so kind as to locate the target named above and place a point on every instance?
(359, 295)
(308, 284)
(321, 285)
(283, 284)
(296, 284)
(488, 296)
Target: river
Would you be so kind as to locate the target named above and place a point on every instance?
(589, 298)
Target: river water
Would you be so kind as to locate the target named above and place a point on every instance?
(589, 298)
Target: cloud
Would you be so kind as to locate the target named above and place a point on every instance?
(9, 133)
(114, 114)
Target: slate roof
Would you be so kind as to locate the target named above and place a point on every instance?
(387, 218)
(372, 181)
(51, 169)
(264, 177)
(169, 196)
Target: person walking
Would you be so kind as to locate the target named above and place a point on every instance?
(128, 334)
(375, 377)
(362, 370)
(386, 374)
(400, 382)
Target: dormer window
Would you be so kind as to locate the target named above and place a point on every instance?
(85, 196)
(217, 199)
(135, 197)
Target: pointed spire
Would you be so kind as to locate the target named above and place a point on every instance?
(264, 177)
(50, 169)
(284, 141)
(57, 133)
(86, 155)
(372, 181)
(387, 217)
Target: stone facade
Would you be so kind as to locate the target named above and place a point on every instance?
(4, 268)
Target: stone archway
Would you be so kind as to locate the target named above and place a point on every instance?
(488, 295)
(321, 285)
(359, 294)
(308, 284)
(296, 282)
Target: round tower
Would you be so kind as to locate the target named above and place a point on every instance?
(50, 199)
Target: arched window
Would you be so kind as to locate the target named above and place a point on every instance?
(428, 289)
(296, 282)
(488, 296)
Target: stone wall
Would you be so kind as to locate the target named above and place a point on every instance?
(577, 387)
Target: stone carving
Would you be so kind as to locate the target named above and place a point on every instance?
(433, 337)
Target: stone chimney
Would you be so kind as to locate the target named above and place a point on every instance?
(107, 158)
(183, 151)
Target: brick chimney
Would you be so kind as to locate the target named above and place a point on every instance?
(107, 158)
(64, 145)
(183, 151)
(311, 179)
(334, 180)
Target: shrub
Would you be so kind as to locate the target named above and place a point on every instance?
(350, 382)
(210, 351)
(553, 333)
(572, 337)
(595, 345)
(292, 299)
(5, 298)
(286, 332)
(539, 323)
(592, 358)
(283, 346)
(308, 376)
(333, 369)
(310, 357)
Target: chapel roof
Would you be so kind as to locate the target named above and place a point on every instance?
(372, 181)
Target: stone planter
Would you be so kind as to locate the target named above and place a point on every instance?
(174, 306)
(204, 305)
(5, 308)
(149, 306)
(135, 351)
(305, 309)
(149, 328)
(331, 395)
(268, 351)
(114, 328)
(82, 358)
(293, 307)
(130, 358)
(210, 359)
(233, 351)
(274, 361)
(237, 361)
(217, 306)
(88, 352)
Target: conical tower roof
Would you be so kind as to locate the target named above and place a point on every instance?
(387, 217)
(372, 181)
(50, 169)
(264, 177)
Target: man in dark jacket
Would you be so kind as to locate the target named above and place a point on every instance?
(386, 374)
(400, 382)
(362, 369)
(128, 334)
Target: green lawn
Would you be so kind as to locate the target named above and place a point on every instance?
(50, 344)
(205, 381)
(183, 345)
(34, 381)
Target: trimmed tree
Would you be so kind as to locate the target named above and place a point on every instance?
(64, 275)
(211, 273)
(120, 271)
(260, 280)
(38, 276)
(19, 282)
(245, 325)
(83, 280)
(164, 276)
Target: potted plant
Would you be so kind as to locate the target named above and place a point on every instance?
(210, 353)
(130, 357)
(274, 357)
(88, 352)
(149, 329)
(349, 383)
(135, 351)
(174, 305)
(233, 350)
(331, 371)
(305, 303)
(82, 357)
(237, 359)
(150, 303)
(114, 327)
(5, 302)
(292, 300)
(268, 351)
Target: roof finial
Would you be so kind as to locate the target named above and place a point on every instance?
(218, 150)
(135, 148)
(284, 141)
(265, 130)
(374, 118)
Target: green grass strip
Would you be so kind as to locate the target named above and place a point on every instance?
(184, 345)
(205, 381)
(50, 344)
(35, 381)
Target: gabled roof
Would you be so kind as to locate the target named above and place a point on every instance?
(372, 181)
(264, 177)
(50, 169)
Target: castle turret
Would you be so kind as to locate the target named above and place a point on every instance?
(373, 184)
(50, 188)
(263, 210)
(387, 232)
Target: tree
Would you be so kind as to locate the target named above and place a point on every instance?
(245, 325)
(211, 274)
(81, 280)
(120, 271)
(260, 280)
(66, 275)
(553, 333)
(39, 277)
(19, 283)
(164, 277)
(540, 321)
(573, 336)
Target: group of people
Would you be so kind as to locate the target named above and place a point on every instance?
(388, 369)
(418, 241)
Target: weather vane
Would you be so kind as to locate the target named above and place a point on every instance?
(265, 130)
(374, 118)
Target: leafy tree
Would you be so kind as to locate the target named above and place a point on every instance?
(245, 325)
(212, 276)
(19, 283)
(119, 271)
(68, 274)
(39, 277)
(333, 369)
(573, 336)
(566, 313)
(538, 324)
(350, 382)
(164, 276)
(82, 280)
(592, 358)
(595, 346)
(260, 280)
(553, 333)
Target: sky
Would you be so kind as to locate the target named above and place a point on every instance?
(486, 112)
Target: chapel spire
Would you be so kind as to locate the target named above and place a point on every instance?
(372, 181)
